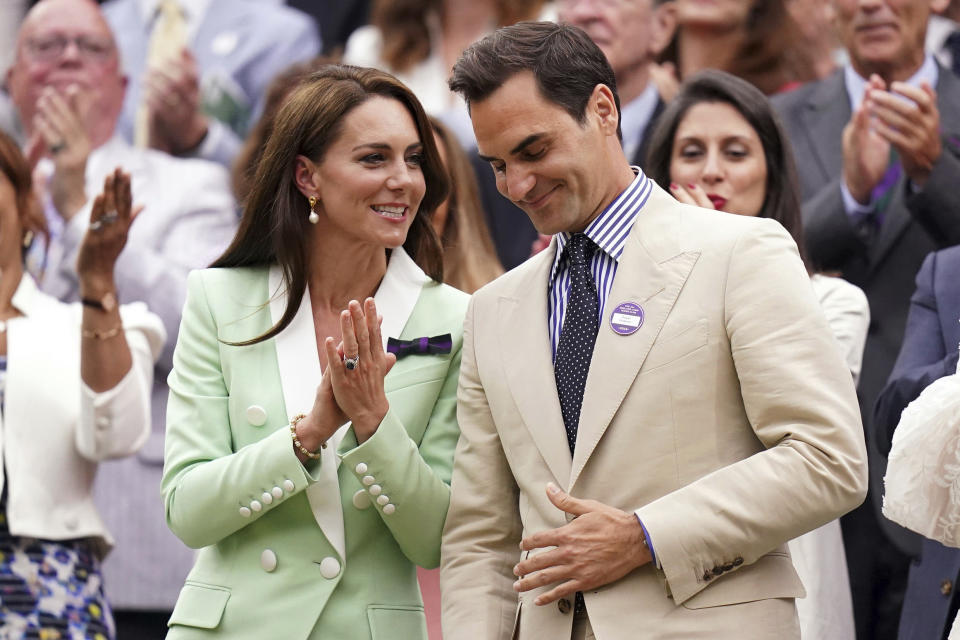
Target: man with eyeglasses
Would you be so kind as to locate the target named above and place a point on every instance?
(68, 89)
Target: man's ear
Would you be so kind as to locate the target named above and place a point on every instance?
(305, 176)
(664, 27)
(604, 107)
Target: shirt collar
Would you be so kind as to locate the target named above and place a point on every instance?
(610, 229)
(634, 117)
(856, 83)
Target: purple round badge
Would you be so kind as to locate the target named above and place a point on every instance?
(626, 318)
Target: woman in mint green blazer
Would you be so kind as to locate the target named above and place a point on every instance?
(308, 464)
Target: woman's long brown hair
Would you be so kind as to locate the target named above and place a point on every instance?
(17, 170)
(274, 228)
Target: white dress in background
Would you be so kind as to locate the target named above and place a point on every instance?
(923, 472)
(818, 556)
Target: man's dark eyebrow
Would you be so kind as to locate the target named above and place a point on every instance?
(525, 142)
(517, 149)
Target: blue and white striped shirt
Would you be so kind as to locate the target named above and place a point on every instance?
(609, 232)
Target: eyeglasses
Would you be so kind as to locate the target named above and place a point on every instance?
(50, 48)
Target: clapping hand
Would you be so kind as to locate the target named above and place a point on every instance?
(110, 221)
(866, 153)
(60, 132)
(350, 394)
(359, 389)
(910, 122)
(172, 94)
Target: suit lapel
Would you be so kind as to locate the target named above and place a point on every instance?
(651, 273)
(398, 293)
(525, 341)
(300, 374)
(825, 115)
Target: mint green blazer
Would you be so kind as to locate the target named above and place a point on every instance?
(324, 550)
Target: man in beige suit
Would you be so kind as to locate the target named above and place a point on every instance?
(707, 412)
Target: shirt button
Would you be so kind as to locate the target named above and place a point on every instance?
(946, 587)
(268, 560)
(289, 486)
(361, 468)
(329, 568)
(383, 500)
(267, 497)
(256, 506)
(376, 490)
(256, 415)
(245, 512)
(389, 509)
(368, 480)
(277, 492)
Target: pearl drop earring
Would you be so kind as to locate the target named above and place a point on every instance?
(314, 218)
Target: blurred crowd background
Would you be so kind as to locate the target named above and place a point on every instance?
(181, 95)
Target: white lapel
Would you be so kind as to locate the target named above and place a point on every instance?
(398, 293)
(300, 371)
(299, 376)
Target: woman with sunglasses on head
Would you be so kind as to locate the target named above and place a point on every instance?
(311, 424)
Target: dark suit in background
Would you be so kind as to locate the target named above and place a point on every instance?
(929, 352)
(916, 222)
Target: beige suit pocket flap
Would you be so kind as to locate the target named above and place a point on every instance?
(396, 621)
(773, 576)
(200, 605)
(673, 347)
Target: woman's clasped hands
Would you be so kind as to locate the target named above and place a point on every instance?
(351, 388)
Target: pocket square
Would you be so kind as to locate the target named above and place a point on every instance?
(420, 346)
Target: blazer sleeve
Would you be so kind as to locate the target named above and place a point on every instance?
(483, 528)
(205, 482)
(799, 399)
(847, 312)
(923, 357)
(936, 206)
(116, 422)
(414, 478)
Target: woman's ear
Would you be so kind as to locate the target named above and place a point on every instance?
(305, 176)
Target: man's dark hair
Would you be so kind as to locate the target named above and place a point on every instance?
(565, 62)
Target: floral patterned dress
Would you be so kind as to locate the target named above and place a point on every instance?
(49, 589)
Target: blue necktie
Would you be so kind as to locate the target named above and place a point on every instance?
(579, 333)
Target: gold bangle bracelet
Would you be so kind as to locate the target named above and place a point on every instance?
(313, 455)
(96, 334)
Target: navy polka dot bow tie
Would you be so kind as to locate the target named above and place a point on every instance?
(420, 346)
(578, 335)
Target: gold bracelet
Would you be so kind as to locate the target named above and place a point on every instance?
(96, 334)
(313, 455)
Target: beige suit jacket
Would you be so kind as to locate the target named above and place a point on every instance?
(728, 422)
